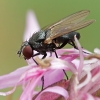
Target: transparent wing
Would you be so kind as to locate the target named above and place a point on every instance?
(70, 23)
(71, 28)
(76, 17)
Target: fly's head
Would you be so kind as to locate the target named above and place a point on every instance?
(26, 50)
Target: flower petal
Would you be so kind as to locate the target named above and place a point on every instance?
(11, 79)
(81, 56)
(32, 25)
(54, 89)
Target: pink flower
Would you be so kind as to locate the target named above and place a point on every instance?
(31, 77)
(83, 84)
(13, 78)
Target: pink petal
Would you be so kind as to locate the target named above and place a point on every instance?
(32, 25)
(87, 80)
(94, 88)
(30, 89)
(11, 79)
(53, 76)
(87, 96)
(96, 70)
(81, 56)
(54, 89)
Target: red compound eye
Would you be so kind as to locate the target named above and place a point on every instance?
(28, 52)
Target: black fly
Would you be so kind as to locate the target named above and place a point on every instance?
(56, 36)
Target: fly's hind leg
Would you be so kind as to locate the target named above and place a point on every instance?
(73, 44)
(65, 74)
(62, 45)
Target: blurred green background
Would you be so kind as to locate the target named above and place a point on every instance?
(12, 25)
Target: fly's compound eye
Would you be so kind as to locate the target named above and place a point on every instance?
(27, 52)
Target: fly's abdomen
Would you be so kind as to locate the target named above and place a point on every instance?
(72, 34)
(61, 39)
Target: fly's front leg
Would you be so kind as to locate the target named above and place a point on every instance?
(33, 58)
(42, 79)
(36, 54)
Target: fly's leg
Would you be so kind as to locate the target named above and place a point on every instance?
(50, 53)
(73, 44)
(62, 45)
(42, 79)
(56, 53)
(52, 48)
(34, 61)
(36, 54)
(57, 57)
(33, 58)
(44, 55)
(63, 69)
(65, 74)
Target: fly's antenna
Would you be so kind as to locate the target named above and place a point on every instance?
(19, 52)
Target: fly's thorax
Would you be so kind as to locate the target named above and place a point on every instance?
(37, 37)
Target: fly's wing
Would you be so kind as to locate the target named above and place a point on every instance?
(67, 25)
(76, 17)
(72, 27)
